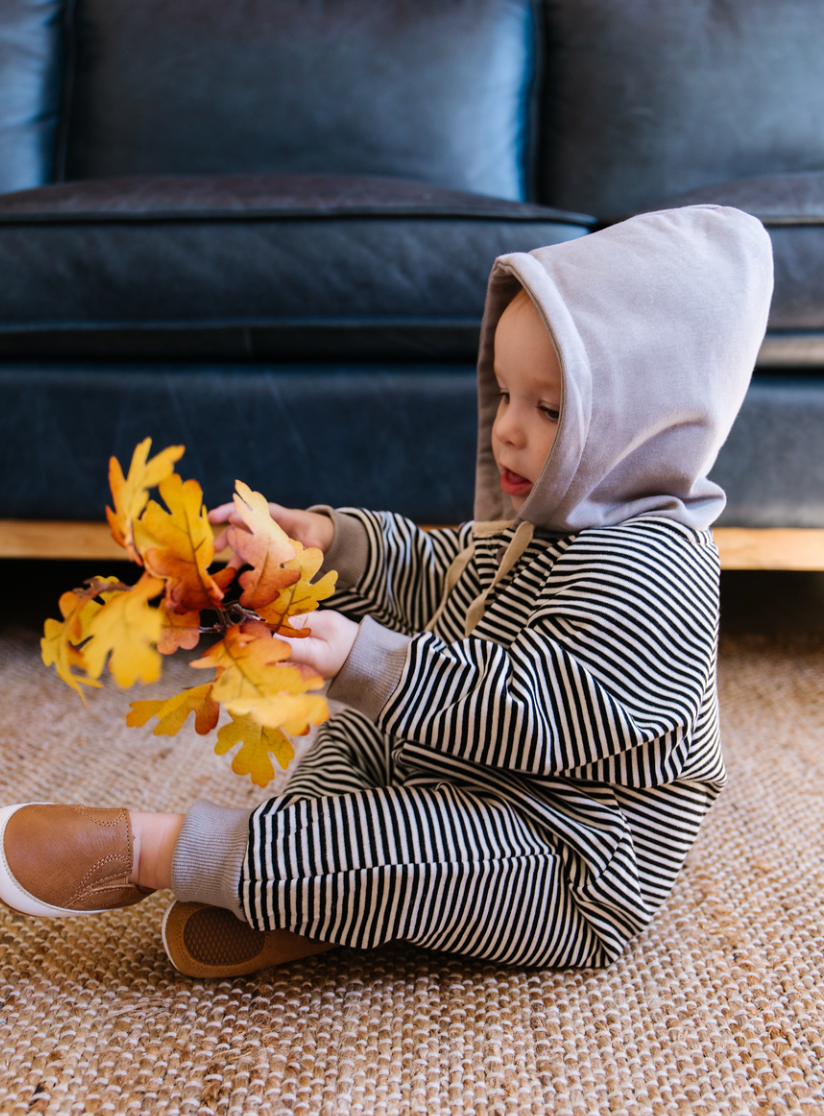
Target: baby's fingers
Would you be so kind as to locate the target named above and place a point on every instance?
(222, 540)
(307, 650)
(221, 513)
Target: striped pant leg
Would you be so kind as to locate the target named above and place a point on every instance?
(437, 864)
(349, 754)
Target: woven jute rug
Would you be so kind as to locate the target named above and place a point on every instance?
(717, 1008)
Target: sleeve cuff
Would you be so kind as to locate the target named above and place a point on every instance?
(349, 549)
(209, 856)
(373, 669)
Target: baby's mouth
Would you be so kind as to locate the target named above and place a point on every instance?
(513, 484)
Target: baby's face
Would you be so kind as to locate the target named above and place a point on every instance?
(529, 379)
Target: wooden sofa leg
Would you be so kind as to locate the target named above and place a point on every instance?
(35, 538)
(770, 548)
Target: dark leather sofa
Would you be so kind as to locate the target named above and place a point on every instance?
(263, 227)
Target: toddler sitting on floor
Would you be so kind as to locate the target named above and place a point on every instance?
(531, 738)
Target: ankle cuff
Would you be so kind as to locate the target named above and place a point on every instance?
(209, 855)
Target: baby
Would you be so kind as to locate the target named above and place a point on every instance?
(531, 739)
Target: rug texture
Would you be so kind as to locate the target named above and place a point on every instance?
(717, 1008)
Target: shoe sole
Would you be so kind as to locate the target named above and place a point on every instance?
(15, 897)
(276, 947)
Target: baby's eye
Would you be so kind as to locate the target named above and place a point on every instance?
(552, 413)
(504, 395)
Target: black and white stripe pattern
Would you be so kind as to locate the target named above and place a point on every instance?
(531, 791)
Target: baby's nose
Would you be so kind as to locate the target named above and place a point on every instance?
(508, 429)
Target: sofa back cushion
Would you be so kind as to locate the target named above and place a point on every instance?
(652, 97)
(30, 44)
(433, 90)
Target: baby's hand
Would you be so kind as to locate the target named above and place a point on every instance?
(309, 528)
(328, 647)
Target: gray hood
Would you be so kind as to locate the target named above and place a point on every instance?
(657, 322)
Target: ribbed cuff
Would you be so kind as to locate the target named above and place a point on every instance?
(371, 673)
(348, 552)
(209, 856)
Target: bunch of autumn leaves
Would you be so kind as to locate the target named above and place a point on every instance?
(107, 620)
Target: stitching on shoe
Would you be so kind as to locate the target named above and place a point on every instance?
(88, 887)
(117, 880)
(87, 813)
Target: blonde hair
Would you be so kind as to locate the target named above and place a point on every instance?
(519, 299)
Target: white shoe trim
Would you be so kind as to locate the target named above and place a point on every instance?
(163, 925)
(11, 893)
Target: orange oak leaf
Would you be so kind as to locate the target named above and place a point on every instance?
(263, 545)
(101, 586)
(130, 493)
(125, 631)
(178, 546)
(301, 597)
(224, 577)
(178, 630)
(172, 713)
(256, 743)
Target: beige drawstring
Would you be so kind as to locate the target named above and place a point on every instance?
(520, 541)
(453, 576)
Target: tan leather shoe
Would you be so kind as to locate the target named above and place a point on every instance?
(204, 941)
(57, 861)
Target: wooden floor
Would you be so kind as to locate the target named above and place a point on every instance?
(741, 548)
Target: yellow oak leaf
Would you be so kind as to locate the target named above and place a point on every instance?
(291, 709)
(60, 640)
(130, 493)
(253, 679)
(172, 713)
(179, 629)
(125, 630)
(263, 545)
(301, 597)
(243, 659)
(256, 743)
(58, 643)
(178, 546)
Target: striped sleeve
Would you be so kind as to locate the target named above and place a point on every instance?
(405, 572)
(617, 654)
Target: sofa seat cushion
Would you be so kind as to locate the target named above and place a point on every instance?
(792, 209)
(256, 267)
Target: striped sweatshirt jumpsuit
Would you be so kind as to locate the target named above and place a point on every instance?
(529, 792)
